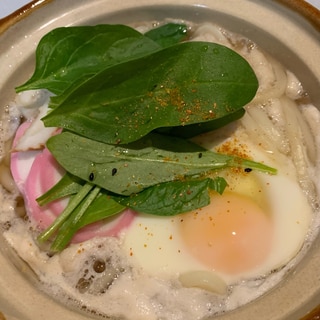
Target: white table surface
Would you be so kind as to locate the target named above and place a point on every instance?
(8, 6)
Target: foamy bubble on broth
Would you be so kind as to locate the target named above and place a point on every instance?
(97, 274)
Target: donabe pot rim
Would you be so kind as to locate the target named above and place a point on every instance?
(40, 15)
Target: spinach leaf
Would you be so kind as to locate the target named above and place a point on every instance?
(104, 206)
(65, 214)
(168, 34)
(174, 197)
(66, 186)
(69, 226)
(126, 101)
(69, 55)
(195, 129)
(127, 169)
(88, 206)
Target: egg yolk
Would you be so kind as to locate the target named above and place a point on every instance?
(231, 235)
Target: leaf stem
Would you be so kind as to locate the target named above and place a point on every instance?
(245, 163)
(74, 202)
(69, 227)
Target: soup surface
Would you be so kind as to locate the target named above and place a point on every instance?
(188, 266)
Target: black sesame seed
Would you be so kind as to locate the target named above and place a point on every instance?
(247, 169)
(91, 176)
(200, 155)
(114, 171)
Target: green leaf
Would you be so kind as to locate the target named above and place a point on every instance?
(69, 226)
(168, 34)
(195, 129)
(128, 100)
(72, 205)
(94, 206)
(218, 184)
(134, 167)
(103, 207)
(70, 55)
(175, 197)
(66, 186)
